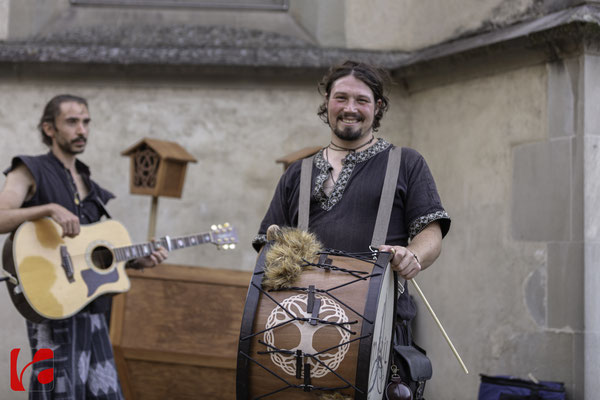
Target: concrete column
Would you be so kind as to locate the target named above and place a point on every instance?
(590, 131)
(549, 184)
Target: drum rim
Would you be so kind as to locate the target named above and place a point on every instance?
(250, 308)
(364, 351)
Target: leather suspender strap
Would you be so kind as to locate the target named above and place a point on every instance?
(386, 201)
(304, 196)
(387, 196)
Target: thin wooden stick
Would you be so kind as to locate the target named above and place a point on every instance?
(439, 324)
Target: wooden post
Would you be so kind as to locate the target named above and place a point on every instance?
(153, 213)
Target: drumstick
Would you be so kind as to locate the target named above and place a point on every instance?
(439, 324)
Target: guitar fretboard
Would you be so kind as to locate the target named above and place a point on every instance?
(127, 253)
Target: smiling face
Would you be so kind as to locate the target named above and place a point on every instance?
(351, 108)
(70, 129)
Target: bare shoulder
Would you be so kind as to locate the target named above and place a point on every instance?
(18, 187)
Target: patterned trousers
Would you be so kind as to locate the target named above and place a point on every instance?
(84, 366)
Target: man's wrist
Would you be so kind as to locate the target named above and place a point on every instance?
(415, 256)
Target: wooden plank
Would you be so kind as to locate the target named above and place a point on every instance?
(160, 381)
(192, 317)
(116, 318)
(194, 274)
(179, 358)
(123, 371)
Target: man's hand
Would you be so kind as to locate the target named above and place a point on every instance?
(68, 221)
(152, 260)
(422, 251)
(404, 261)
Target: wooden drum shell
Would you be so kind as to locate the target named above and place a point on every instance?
(348, 298)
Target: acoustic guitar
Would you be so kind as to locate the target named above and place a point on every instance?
(51, 277)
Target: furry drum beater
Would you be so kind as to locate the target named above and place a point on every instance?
(317, 323)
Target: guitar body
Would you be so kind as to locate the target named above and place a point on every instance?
(37, 255)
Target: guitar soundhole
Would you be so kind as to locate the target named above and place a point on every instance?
(102, 257)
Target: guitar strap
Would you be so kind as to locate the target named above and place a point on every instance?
(101, 205)
(386, 201)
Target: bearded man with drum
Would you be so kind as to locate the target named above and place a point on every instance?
(347, 179)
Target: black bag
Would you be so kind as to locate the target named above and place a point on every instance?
(412, 366)
(510, 388)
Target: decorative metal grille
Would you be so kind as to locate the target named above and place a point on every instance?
(281, 5)
(146, 162)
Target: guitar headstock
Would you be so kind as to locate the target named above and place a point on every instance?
(224, 236)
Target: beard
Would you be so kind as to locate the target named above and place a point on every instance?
(71, 147)
(349, 134)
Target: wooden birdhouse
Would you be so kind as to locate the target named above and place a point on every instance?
(297, 155)
(157, 167)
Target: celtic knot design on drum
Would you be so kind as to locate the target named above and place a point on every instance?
(330, 311)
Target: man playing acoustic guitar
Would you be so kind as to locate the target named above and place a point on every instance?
(57, 185)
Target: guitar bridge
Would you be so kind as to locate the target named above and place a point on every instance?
(66, 263)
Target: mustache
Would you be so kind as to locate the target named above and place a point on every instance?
(79, 139)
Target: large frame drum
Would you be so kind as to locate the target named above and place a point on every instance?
(330, 332)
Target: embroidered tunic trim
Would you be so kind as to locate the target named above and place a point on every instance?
(348, 164)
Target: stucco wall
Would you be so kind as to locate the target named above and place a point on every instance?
(414, 24)
(467, 131)
(4, 19)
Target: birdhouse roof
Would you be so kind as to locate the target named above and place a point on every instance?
(297, 155)
(166, 150)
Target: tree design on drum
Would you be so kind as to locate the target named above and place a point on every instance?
(329, 311)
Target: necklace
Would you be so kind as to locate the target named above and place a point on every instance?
(326, 188)
(336, 147)
(76, 198)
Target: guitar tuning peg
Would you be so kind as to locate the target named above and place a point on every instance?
(226, 247)
(220, 226)
(226, 224)
(231, 246)
(213, 227)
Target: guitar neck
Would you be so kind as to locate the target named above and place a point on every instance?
(133, 251)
